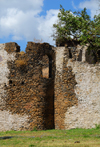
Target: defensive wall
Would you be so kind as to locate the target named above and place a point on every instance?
(48, 87)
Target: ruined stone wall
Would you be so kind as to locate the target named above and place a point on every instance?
(77, 94)
(8, 121)
(87, 113)
(65, 82)
(47, 87)
(28, 94)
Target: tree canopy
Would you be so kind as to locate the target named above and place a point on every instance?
(78, 26)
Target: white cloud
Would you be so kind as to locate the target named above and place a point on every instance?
(26, 5)
(93, 5)
(46, 25)
(21, 20)
(17, 38)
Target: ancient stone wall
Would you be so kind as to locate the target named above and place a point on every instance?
(87, 113)
(47, 87)
(27, 92)
(8, 121)
(65, 82)
(77, 95)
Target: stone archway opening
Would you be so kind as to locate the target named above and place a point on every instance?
(47, 67)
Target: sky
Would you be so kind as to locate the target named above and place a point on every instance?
(22, 21)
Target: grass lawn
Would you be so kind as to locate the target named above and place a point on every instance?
(52, 138)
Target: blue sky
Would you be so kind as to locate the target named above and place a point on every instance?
(31, 20)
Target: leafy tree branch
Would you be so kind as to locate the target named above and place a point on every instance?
(78, 26)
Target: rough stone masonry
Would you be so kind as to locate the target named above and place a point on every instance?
(48, 87)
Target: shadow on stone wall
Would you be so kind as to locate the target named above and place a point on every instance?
(65, 96)
(28, 91)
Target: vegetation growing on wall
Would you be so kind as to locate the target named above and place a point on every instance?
(21, 63)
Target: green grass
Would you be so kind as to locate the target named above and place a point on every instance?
(52, 138)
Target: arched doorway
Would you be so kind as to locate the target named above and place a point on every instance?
(47, 67)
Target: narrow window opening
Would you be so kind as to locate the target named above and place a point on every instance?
(10, 81)
(22, 83)
(50, 67)
(80, 56)
(47, 66)
(70, 54)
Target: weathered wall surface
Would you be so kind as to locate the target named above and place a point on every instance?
(87, 113)
(77, 94)
(8, 121)
(37, 92)
(64, 87)
(28, 96)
